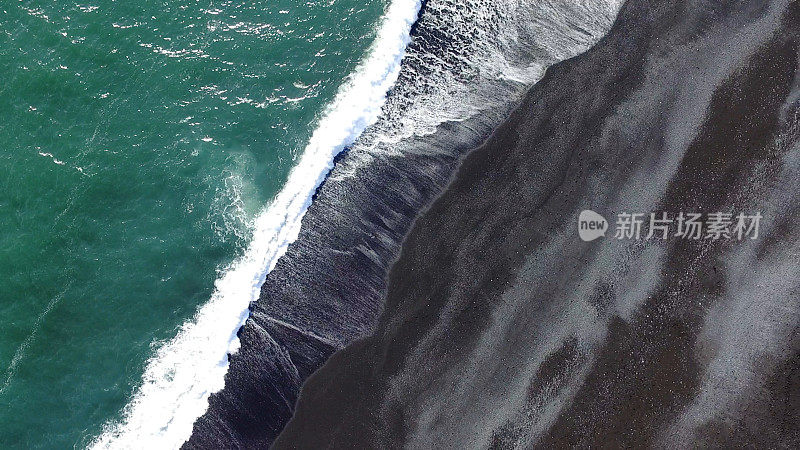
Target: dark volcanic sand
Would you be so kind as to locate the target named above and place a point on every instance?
(502, 328)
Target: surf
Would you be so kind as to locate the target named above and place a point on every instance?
(185, 371)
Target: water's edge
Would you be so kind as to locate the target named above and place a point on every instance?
(327, 290)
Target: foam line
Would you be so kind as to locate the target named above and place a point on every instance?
(184, 372)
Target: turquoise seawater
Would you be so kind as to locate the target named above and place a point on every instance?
(138, 140)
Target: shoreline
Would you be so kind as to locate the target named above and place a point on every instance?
(328, 287)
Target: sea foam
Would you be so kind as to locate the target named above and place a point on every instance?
(185, 371)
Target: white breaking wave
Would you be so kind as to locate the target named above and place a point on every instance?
(484, 56)
(184, 372)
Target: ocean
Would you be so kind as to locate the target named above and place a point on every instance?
(142, 141)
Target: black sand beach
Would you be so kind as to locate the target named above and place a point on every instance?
(502, 329)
